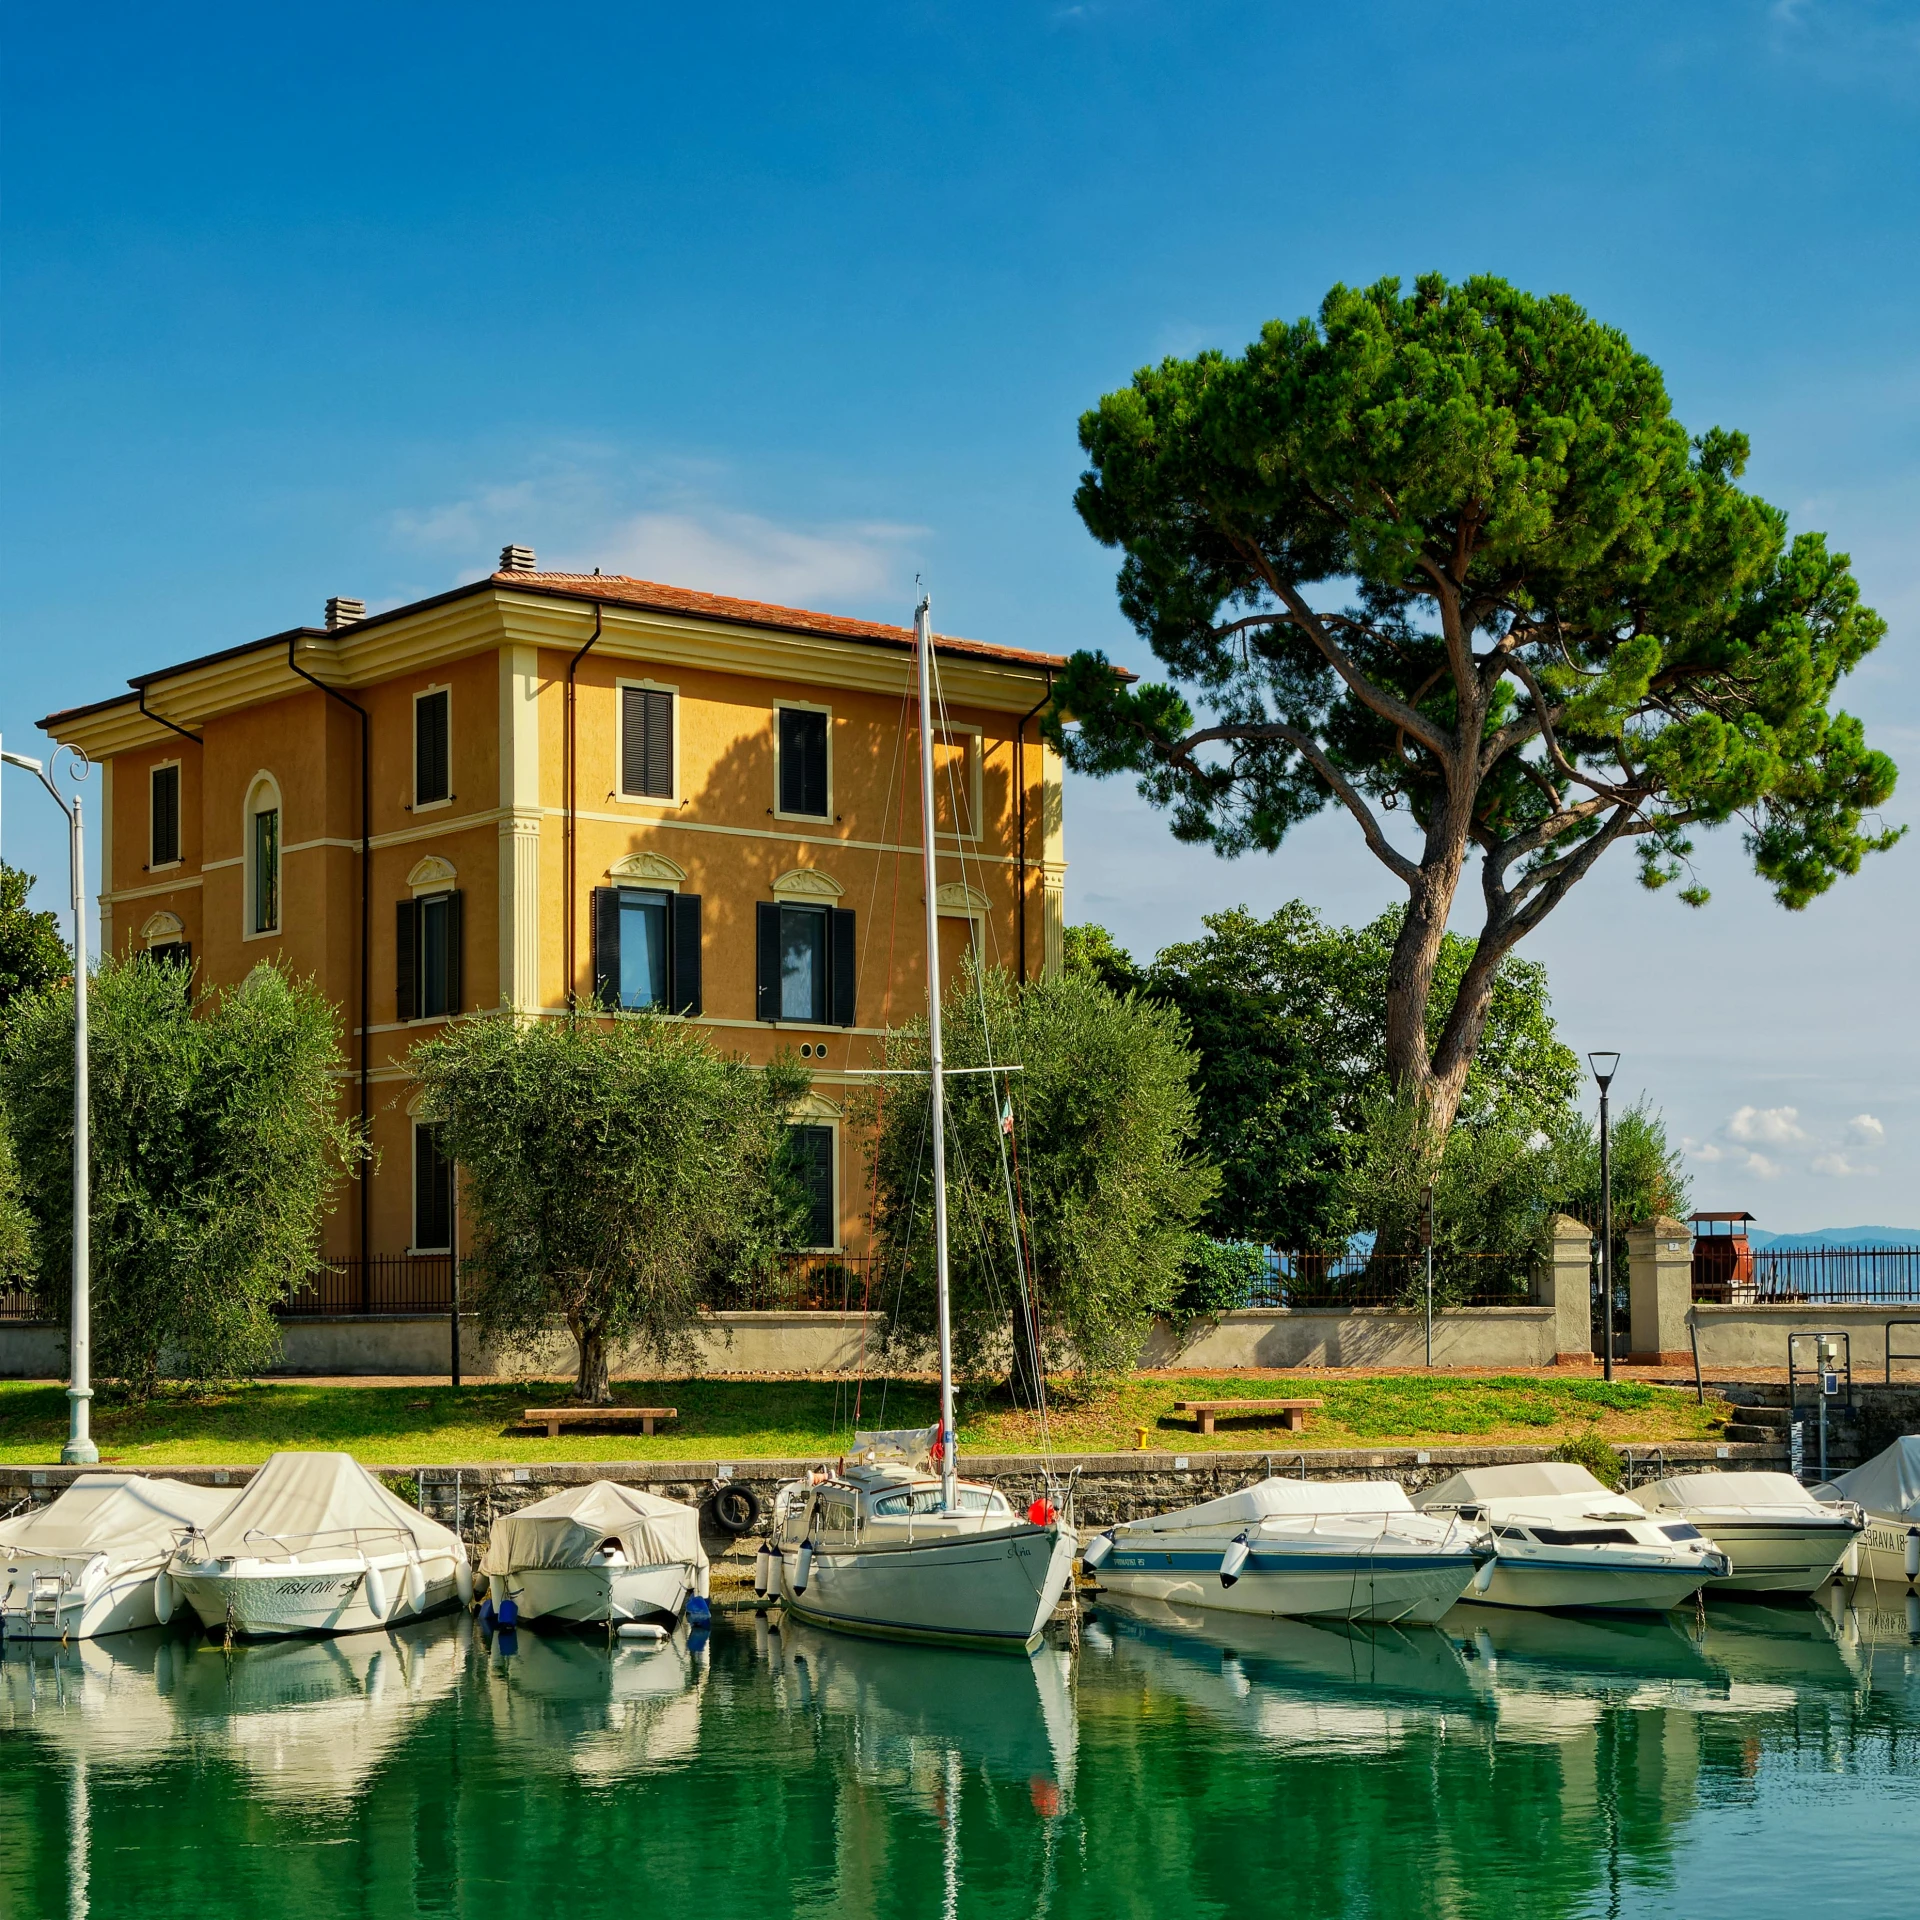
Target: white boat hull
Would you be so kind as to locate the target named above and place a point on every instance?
(980, 1589)
(121, 1603)
(1549, 1584)
(1413, 1588)
(270, 1598)
(1776, 1556)
(590, 1595)
(1880, 1554)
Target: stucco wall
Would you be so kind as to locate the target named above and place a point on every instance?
(1751, 1336)
(1369, 1337)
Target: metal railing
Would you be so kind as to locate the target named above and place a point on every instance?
(21, 1303)
(386, 1283)
(1823, 1276)
(805, 1283)
(1346, 1279)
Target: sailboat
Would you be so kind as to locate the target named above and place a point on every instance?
(892, 1543)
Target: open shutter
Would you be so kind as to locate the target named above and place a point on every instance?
(606, 946)
(456, 953)
(683, 992)
(406, 955)
(842, 967)
(766, 917)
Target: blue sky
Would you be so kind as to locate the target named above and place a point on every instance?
(305, 301)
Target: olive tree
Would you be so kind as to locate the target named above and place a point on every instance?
(1450, 553)
(217, 1145)
(614, 1168)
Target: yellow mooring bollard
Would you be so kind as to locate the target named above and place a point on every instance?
(1142, 1439)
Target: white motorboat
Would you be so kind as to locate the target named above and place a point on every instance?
(315, 1544)
(1304, 1549)
(1887, 1491)
(86, 1563)
(599, 1552)
(901, 1548)
(1777, 1536)
(886, 1548)
(1561, 1539)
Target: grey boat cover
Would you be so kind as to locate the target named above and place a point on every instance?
(1740, 1492)
(319, 1506)
(1530, 1480)
(1889, 1483)
(566, 1529)
(134, 1521)
(1271, 1499)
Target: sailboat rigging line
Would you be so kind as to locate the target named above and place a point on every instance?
(890, 1073)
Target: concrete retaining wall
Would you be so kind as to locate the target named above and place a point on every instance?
(1750, 1336)
(1366, 1337)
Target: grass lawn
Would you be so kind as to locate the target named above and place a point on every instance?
(747, 1419)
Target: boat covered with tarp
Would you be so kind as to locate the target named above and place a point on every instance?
(599, 1552)
(315, 1544)
(86, 1563)
(1778, 1536)
(1887, 1490)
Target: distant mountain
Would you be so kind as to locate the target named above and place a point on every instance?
(1839, 1237)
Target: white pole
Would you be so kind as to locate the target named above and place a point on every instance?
(923, 637)
(80, 1450)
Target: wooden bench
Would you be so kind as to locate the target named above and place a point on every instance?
(554, 1418)
(1293, 1413)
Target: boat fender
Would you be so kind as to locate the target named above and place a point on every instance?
(164, 1595)
(416, 1585)
(507, 1612)
(1097, 1550)
(1913, 1553)
(803, 1567)
(760, 1571)
(650, 1631)
(735, 1509)
(376, 1589)
(463, 1581)
(1234, 1559)
(1041, 1512)
(1483, 1575)
(486, 1614)
(699, 1613)
(1913, 1616)
(508, 1644)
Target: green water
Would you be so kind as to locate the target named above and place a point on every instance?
(1508, 1764)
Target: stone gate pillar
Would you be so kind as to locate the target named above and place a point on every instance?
(1660, 1293)
(1564, 1282)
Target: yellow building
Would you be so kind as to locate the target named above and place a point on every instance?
(542, 784)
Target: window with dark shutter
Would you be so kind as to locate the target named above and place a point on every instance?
(811, 1157)
(803, 762)
(164, 847)
(406, 957)
(432, 1193)
(646, 743)
(431, 771)
(172, 953)
(437, 956)
(766, 927)
(606, 946)
(686, 953)
(842, 965)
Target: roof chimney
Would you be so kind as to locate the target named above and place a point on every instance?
(342, 612)
(517, 560)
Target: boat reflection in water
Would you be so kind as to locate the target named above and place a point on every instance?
(600, 1708)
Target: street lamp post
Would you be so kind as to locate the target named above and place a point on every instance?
(79, 1450)
(1605, 1066)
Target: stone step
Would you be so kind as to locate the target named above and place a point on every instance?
(1751, 1433)
(1779, 1417)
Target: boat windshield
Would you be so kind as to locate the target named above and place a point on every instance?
(927, 1500)
(1584, 1537)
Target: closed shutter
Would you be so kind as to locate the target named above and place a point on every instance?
(166, 816)
(842, 967)
(683, 990)
(406, 953)
(455, 953)
(606, 946)
(646, 743)
(430, 769)
(766, 917)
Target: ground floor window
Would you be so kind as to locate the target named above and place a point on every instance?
(432, 1193)
(812, 1150)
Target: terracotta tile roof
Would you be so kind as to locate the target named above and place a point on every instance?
(652, 595)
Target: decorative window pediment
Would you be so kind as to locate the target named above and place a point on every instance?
(162, 929)
(807, 883)
(955, 897)
(815, 1107)
(647, 869)
(431, 874)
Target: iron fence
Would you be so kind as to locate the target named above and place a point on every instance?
(1349, 1279)
(1820, 1276)
(805, 1283)
(21, 1303)
(386, 1283)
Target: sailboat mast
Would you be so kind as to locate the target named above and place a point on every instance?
(923, 642)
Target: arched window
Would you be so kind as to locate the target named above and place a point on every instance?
(262, 827)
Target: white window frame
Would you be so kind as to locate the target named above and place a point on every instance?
(432, 806)
(413, 1194)
(179, 817)
(262, 784)
(616, 789)
(802, 706)
(975, 742)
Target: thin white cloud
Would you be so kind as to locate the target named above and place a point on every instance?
(1767, 1126)
(742, 553)
(1839, 1166)
(1762, 1168)
(1866, 1130)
